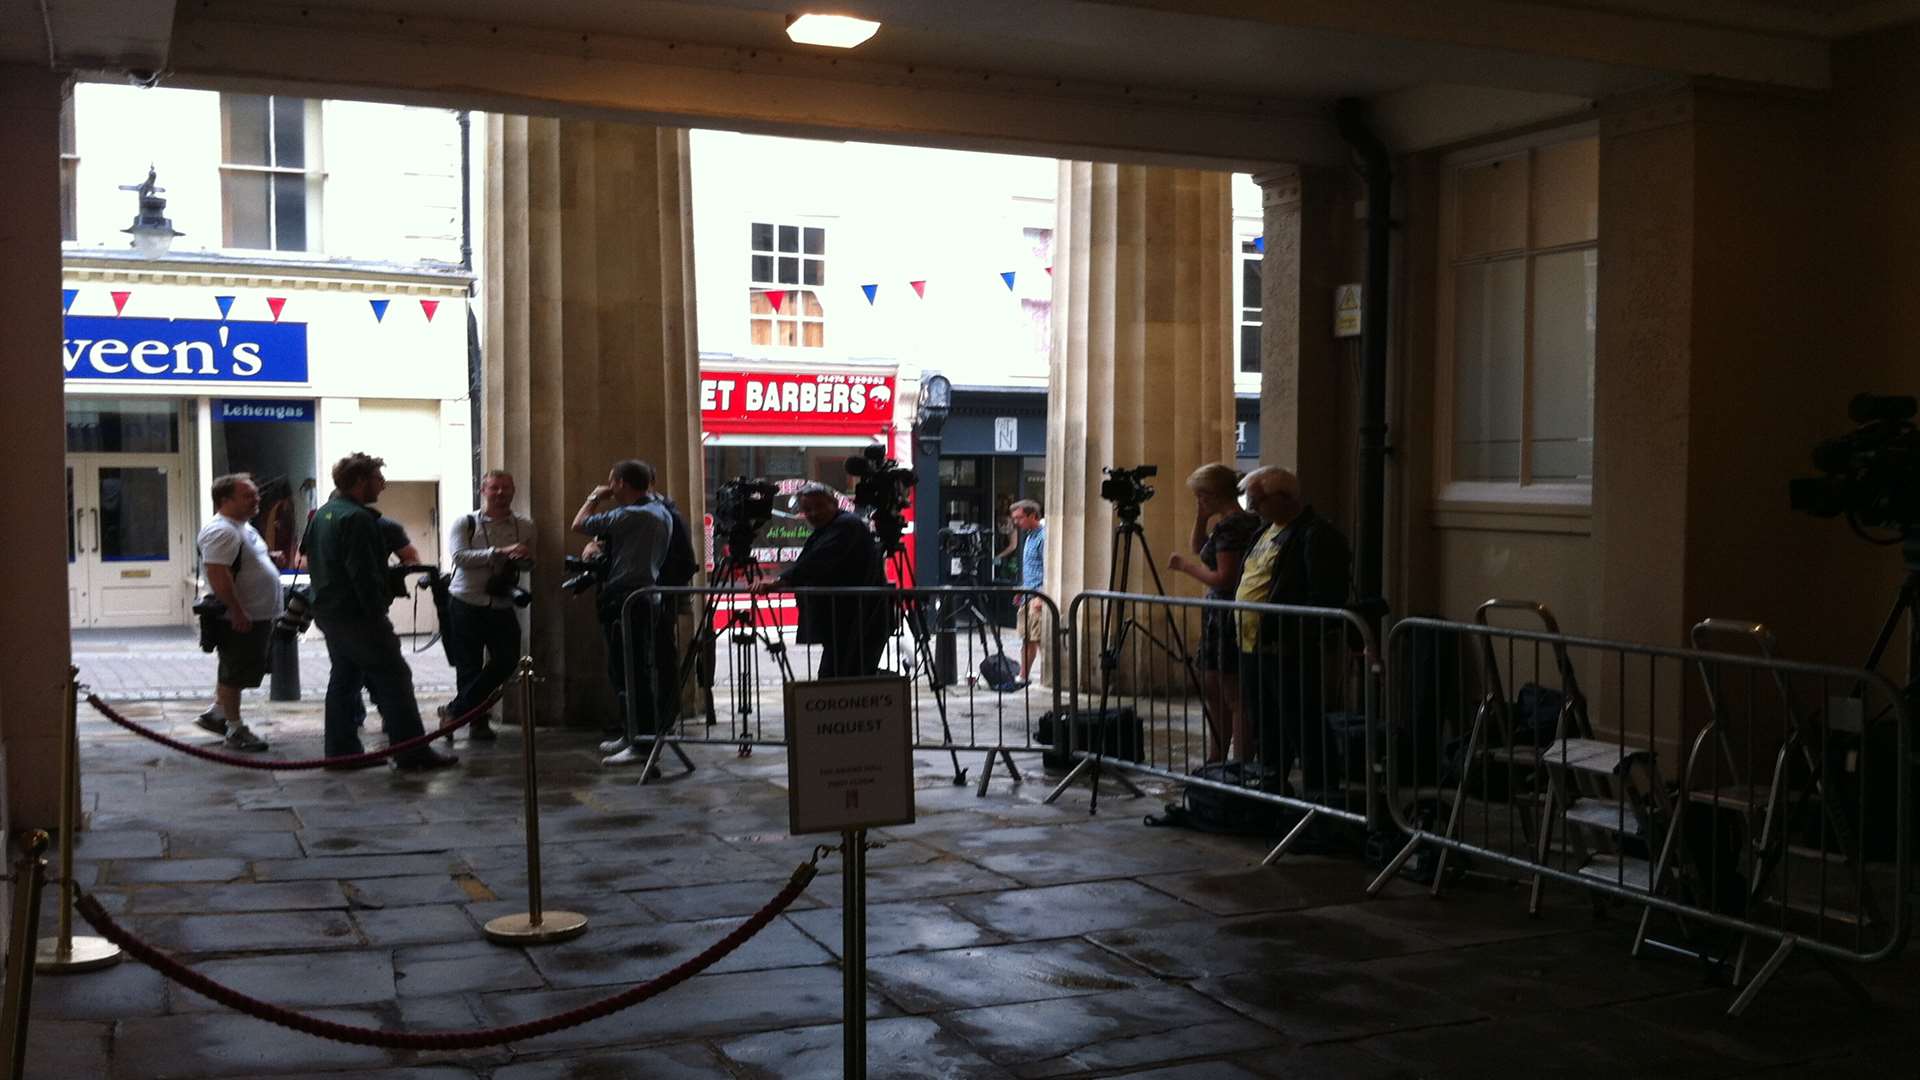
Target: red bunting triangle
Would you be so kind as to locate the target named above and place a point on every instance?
(1049, 271)
(274, 304)
(429, 306)
(776, 299)
(120, 301)
(919, 289)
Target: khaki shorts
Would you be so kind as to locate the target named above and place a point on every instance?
(1032, 620)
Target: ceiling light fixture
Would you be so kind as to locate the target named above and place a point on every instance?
(835, 31)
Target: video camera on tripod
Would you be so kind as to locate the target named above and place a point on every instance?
(741, 508)
(964, 546)
(884, 487)
(1872, 472)
(1126, 489)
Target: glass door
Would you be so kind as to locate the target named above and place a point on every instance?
(127, 548)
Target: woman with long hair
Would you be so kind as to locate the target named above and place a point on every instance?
(1222, 533)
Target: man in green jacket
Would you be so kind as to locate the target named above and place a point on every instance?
(352, 589)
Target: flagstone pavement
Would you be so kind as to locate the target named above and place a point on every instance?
(1007, 938)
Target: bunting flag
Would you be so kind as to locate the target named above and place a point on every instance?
(776, 299)
(1260, 244)
(66, 299)
(1007, 276)
(274, 304)
(1049, 271)
(379, 309)
(226, 305)
(869, 290)
(919, 288)
(120, 301)
(429, 306)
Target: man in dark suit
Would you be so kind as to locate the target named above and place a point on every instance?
(1298, 559)
(852, 630)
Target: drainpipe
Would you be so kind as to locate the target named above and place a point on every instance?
(1377, 169)
(474, 387)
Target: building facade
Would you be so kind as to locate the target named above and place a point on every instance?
(314, 305)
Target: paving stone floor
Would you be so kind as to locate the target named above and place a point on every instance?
(1008, 939)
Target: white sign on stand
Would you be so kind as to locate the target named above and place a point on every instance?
(849, 754)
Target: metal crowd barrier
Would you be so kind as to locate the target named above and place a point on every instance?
(720, 657)
(1168, 688)
(1736, 798)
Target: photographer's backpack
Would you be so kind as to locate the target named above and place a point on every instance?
(680, 565)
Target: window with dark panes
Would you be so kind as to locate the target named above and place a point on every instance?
(787, 264)
(1250, 256)
(270, 172)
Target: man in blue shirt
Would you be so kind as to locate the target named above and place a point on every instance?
(1032, 619)
(633, 533)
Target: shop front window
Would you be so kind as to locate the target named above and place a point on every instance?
(273, 441)
(122, 426)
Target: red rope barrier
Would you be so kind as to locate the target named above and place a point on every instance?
(341, 762)
(471, 1039)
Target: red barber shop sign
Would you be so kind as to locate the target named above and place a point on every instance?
(795, 402)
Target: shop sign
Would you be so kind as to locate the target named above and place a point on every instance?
(1006, 434)
(184, 350)
(268, 411)
(849, 755)
(795, 402)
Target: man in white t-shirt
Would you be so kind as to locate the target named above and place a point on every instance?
(240, 571)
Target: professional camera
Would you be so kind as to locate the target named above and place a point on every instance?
(1872, 472)
(885, 487)
(964, 546)
(1126, 489)
(741, 508)
(297, 614)
(505, 584)
(584, 573)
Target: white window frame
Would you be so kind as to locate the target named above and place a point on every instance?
(788, 314)
(312, 172)
(1560, 495)
(69, 173)
(1248, 311)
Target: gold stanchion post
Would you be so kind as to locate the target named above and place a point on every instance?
(29, 878)
(535, 925)
(64, 954)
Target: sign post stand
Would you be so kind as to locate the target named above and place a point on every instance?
(850, 768)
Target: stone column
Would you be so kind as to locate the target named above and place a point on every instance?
(33, 665)
(589, 350)
(1142, 368)
(1300, 391)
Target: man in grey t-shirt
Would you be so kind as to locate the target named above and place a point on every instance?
(491, 548)
(242, 574)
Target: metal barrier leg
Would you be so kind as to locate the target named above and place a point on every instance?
(29, 880)
(986, 768)
(1761, 977)
(536, 925)
(1299, 829)
(1072, 774)
(986, 774)
(64, 954)
(1380, 880)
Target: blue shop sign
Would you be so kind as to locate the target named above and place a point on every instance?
(263, 411)
(184, 350)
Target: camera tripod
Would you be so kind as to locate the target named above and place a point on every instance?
(913, 619)
(1117, 624)
(746, 630)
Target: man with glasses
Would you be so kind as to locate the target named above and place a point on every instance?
(1298, 558)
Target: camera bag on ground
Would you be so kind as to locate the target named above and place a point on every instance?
(1117, 733)
(1208, 809)
(1000, 673)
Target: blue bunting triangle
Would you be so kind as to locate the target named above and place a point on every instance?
(1007, 277)
(869, 290)
(1260, 244)
(379, 309)
(66, 299)
(226, 304)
